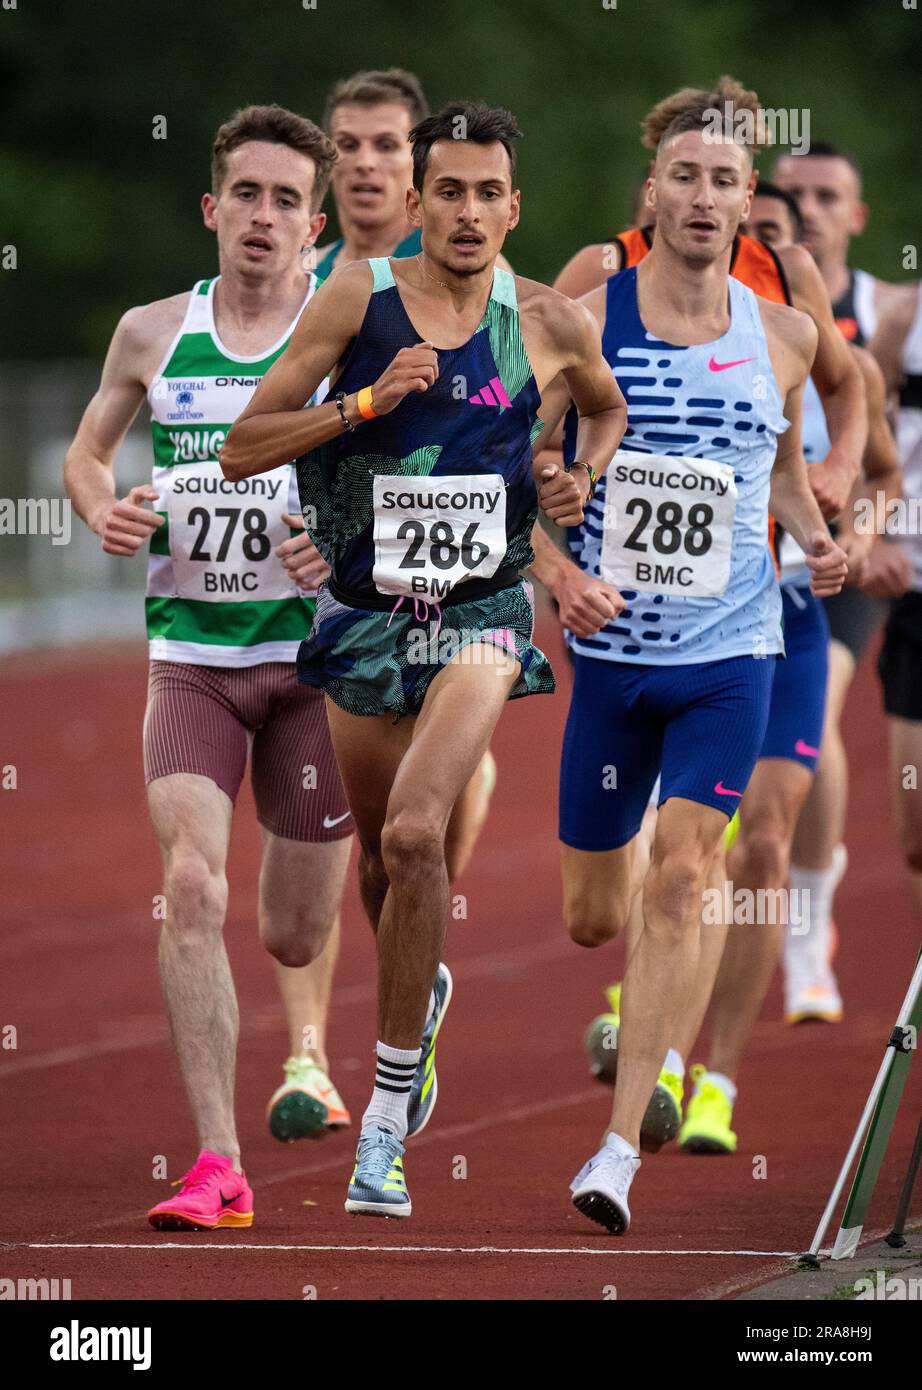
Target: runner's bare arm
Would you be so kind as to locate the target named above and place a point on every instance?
(881, 475)
(791, 501)
(838, 381)
(887, 571)
(586, 604)
(894, 321)
(595, 393)
(275, 428)
(89, 480)
(555, 402)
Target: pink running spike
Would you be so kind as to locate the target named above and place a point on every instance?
(211, 1194)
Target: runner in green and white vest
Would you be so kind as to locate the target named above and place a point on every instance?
(217, 593)
(230, 584)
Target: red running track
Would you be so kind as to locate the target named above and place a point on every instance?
(91, 1096)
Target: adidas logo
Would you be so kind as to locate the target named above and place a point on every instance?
(497, 396)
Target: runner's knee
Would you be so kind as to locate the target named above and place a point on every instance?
(592, 921)
(196, 895)
(300, 938)
(764, 853)
(672, 885)
(411, 838)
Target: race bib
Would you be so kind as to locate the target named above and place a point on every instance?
(432, 532)
(223, 534)
(668, 525)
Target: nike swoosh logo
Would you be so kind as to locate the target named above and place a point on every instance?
(716, 366)
(226, 1201)
(328, 823)
(805, 750)
(721, 790)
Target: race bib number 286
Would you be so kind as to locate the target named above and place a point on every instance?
(668, 525)
(432, 532)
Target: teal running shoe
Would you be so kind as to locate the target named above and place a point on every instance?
(378, 1187)
(425, 1089)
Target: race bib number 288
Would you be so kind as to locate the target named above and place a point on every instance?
(432, 532)
(668, 525)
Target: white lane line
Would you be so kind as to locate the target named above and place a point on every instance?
(403, 1249)
(493, 964)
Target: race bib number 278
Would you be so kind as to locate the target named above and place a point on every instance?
(668, 525)
(223, 535)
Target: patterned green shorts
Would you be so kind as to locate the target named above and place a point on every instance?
(373, 662)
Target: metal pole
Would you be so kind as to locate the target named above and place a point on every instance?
(896, 1237)
(909, 1002)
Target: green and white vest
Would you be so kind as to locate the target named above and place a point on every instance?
(216, 593)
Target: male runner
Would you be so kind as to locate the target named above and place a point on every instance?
(826, 184)
(369, 117)
(420, 470)
(760, 859)
(898, 346)
(226, 609)
(786, 276)
(680, 682)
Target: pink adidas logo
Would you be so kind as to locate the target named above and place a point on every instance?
(487, 397)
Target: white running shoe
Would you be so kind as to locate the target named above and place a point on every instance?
(811, 994)
(601, 1186)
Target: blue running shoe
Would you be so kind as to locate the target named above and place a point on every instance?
(425, 1089)
(378, 1187)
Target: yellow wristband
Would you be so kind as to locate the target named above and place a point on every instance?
(365, 404)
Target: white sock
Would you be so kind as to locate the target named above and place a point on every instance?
(723, 1083)
(394, 1074)
(674, 1063)
(808, 939)
(621, 1146)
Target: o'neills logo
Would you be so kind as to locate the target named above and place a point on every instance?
(428, 499)
(76, 1343)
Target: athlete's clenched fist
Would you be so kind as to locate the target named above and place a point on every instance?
(827, 563)
(561, 495)
(125, 525)
(413, 369)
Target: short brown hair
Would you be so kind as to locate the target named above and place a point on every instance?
(374, 89)
(280, 127)
(693, 108)
(484, 125)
